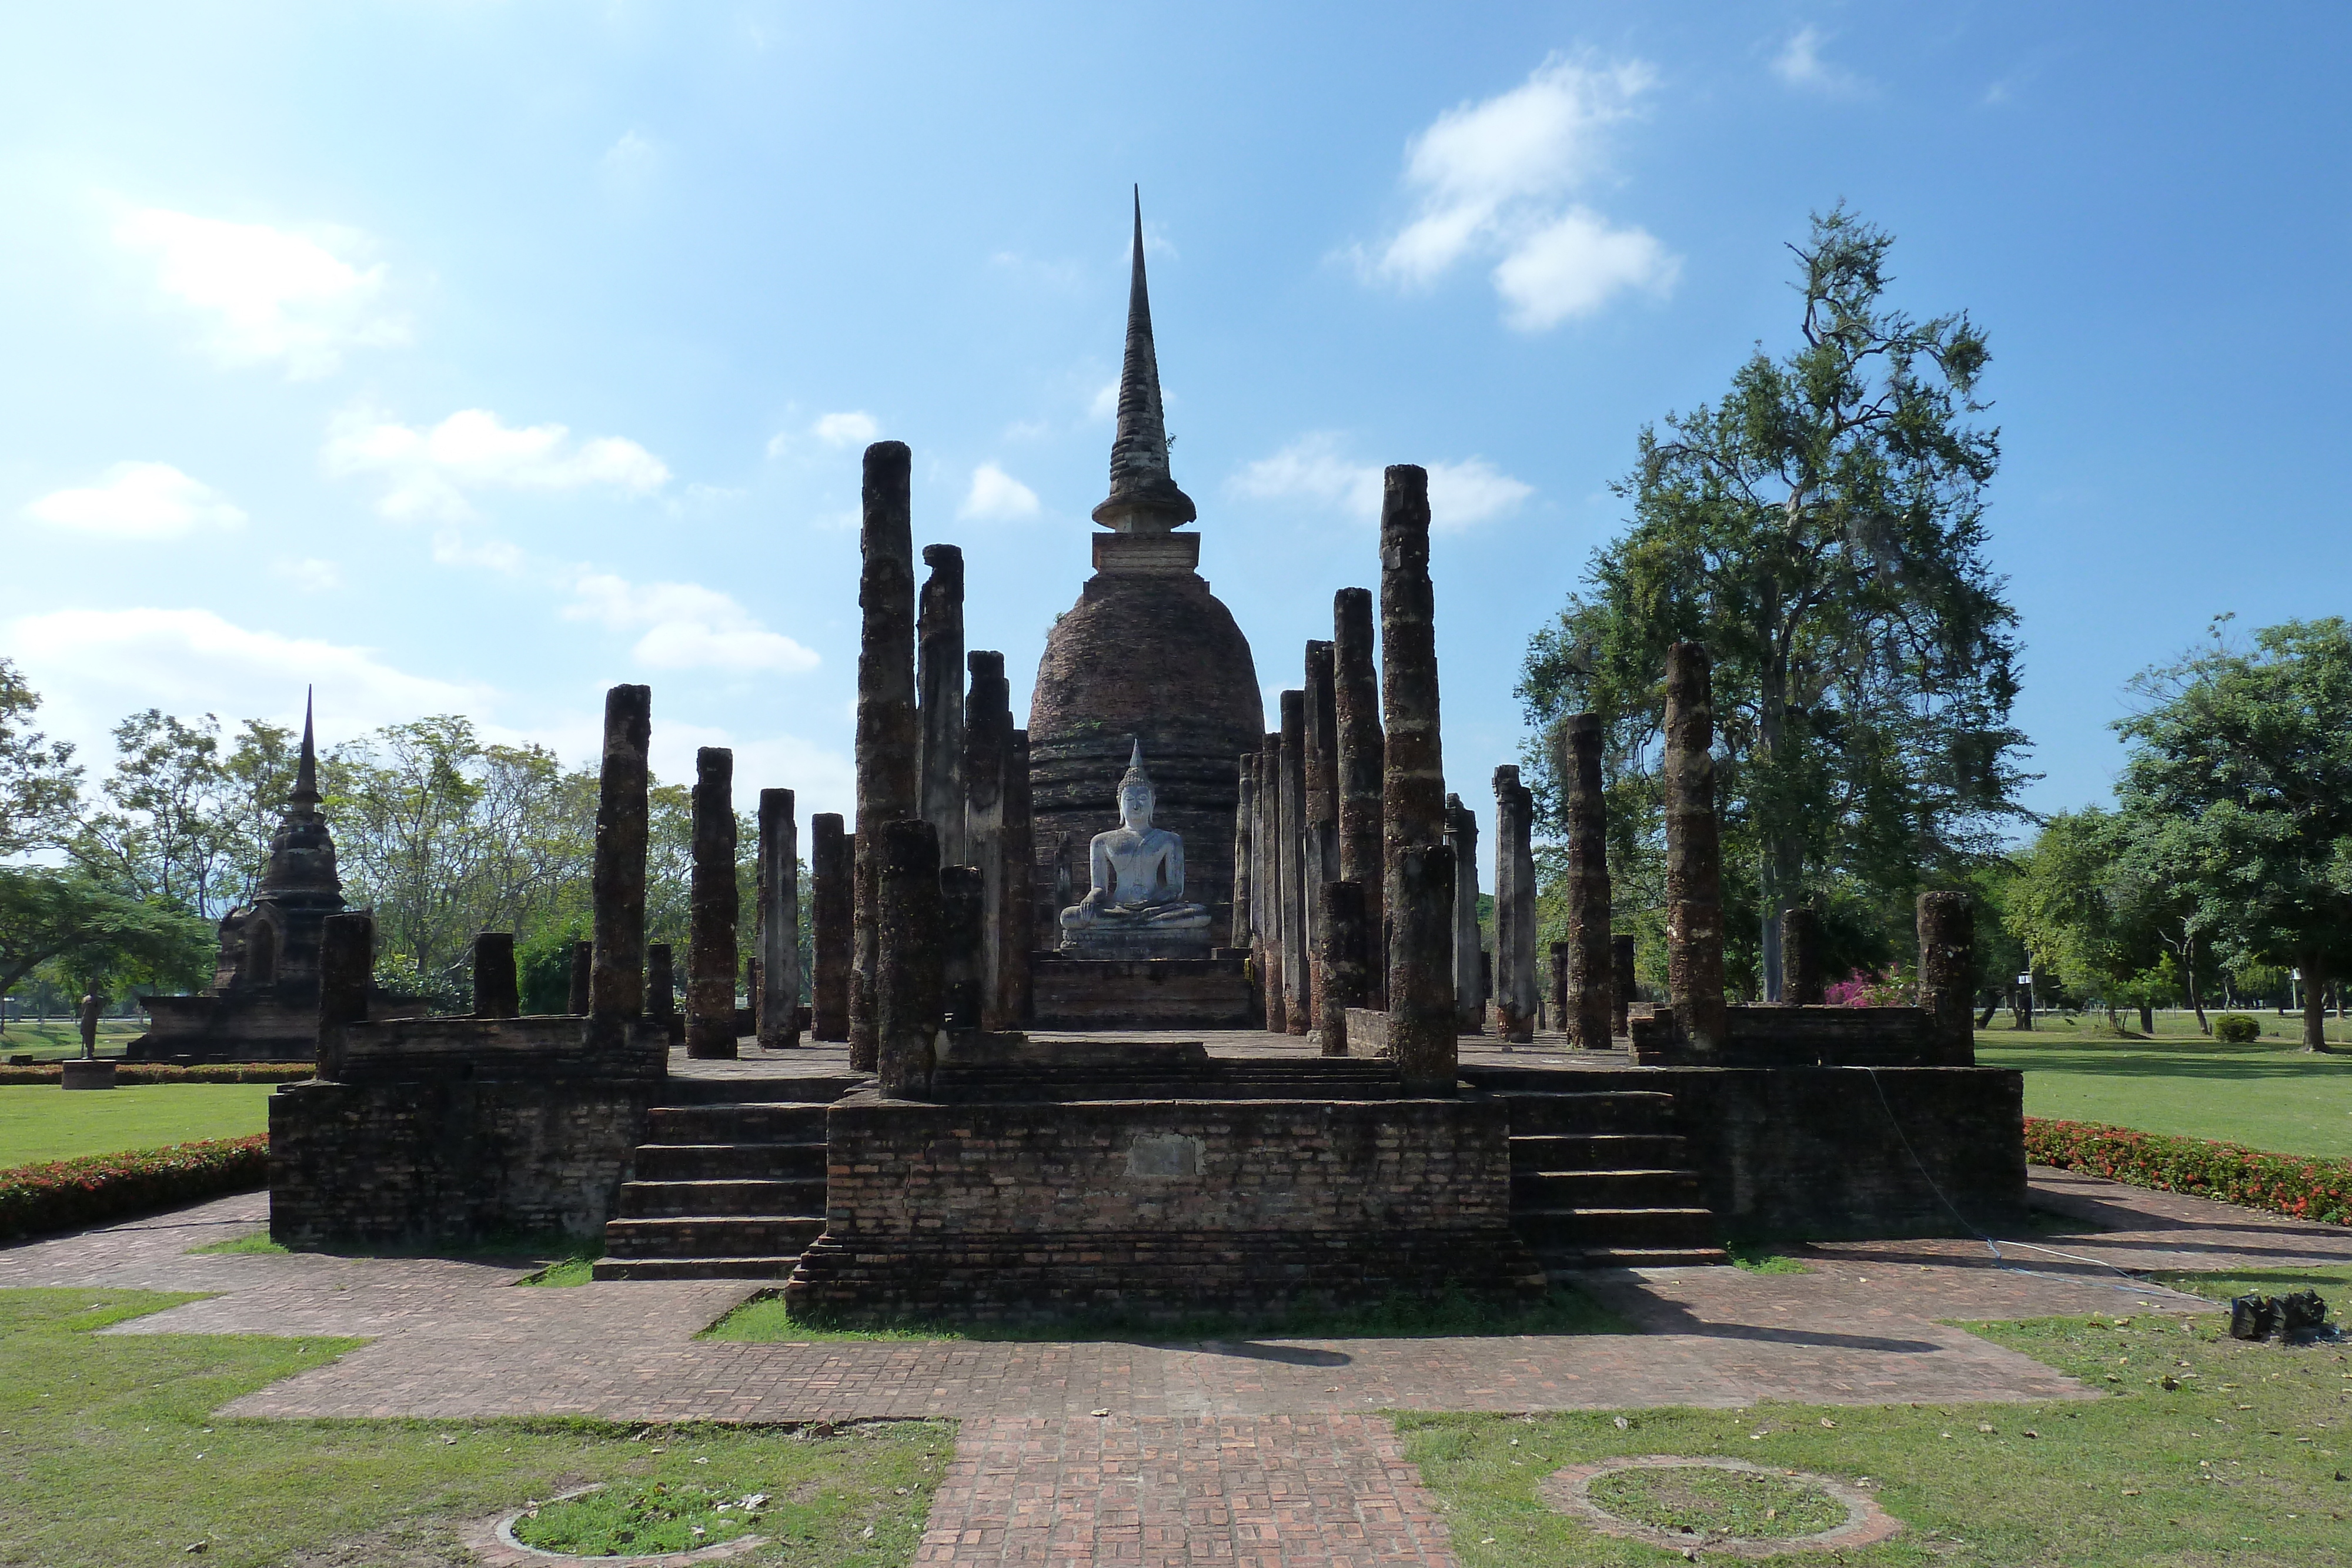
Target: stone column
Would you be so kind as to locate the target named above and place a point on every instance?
(1245, 808)
(1947, 973)
(495, 993)
(887, 727)
(831, 881)
(661, 987)
(1015, 981)
(987, 738)
(1417, 867)
(938, 687)
(963, 904)
(617, 880)
(1469, 964)
(907, 972)
(1291, 842)
(1559, 993)
(1342, 964)
(780, 920)
(346, 970)
(1269, 878)
(1801, 956)
(1694, 853)
(1589, 1004)
(1621, 968)
(1356, 703)
(712, 909)
(581, 1001)
(1321, 756)
(1516, 980)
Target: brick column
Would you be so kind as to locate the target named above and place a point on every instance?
(1469, 961)
(495, 993)
(579, 1001)
(939, 698)
(887, 727)
(831, 881)
(1320, 755)
(1417, 867)
(712, 909)
(1516, 981)
(1621, 969)
(1244, 811)
(617, 878)
(661, 987)
(1589, 1005)
(780, 920)
(1268, 876)
(346, 970)
(987, 745)
(1342, 965)
(1801, 957)
(1015, 981)
(1694, 853)
(907, 973)
(962, 914)
(1947, 973)
(1356, 703)
(1291, 844)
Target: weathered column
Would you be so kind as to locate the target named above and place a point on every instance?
(1342, 965)
(618, 877)
(780, 920)
(1015, 982)
(1621, 993)
(495, 992)
(987, 742)
(1694, 853)
(1590, 1004)
(887, 727)
(1469, 962)
(906, 971)
(963, 904)
(1298, 995)
(712, 909)
(1356, 705)
(346, 970)
(1559, 993)
(1245, 808)
(1801, 956)
(1417, 867)
(1321, 757)
(661, 987)
(1947, 973)
(581, 1001)
(1269, 883)
(938, 689)
(831, 883)
(1516, 980)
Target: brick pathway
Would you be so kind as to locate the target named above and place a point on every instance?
(1258, 1451)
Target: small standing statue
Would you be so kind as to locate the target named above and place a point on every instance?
(91, 1006)
(1135, 873)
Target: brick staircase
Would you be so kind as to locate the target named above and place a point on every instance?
(1307, 1078)
(1602, 1181)
(728, 1188)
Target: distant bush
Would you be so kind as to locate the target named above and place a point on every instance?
(2286, 1184)
(63, 1194)
(2237, 1028)
(164, 1072)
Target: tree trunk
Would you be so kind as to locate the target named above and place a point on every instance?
(2314, 1003)
(2147, 1020)
(2188, 980)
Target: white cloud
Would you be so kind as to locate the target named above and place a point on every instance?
(429, 471)
(137, 501)
(854, 428)
(1493, 177)
(997, 497)
(686, 626)
(1105, 403)
(309, 575)
(451, 548)
(1801, 65)
(1316, 468)
(268, 295)
(630, 161)
(820, 780)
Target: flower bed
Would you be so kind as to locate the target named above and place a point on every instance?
(164, 1072)
(63, 1194)
(2298, 1185)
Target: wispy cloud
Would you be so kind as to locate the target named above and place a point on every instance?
(265, 294)
(995, 496)
(1316, 468)
(137, 501)
(1801, 65)
(1497, 178)
(307, 575)
(428, 473)
(686, 626)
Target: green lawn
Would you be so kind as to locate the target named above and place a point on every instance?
(62, 1037)
(110, 1454)
(43, 1122)
(2268, 1095)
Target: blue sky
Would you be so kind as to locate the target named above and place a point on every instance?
(472, 357)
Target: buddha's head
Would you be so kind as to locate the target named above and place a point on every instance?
(1135, 794)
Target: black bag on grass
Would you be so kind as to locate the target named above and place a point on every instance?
(2253, 1317)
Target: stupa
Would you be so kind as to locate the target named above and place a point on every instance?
(1147, 658)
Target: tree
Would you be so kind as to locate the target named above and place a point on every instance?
(95, 935)
(2240, 766)
(164, 837)
(2076, 904)
(1822, 532)
(40, 787)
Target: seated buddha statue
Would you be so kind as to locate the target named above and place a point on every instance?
(1136, 871)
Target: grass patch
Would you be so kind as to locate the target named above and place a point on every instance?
(2238, 1461)
(1564, 1311)
(60, 1037)
(570, 1271)
(257, 1242)
(642, 1517)
(2335, 1284)
(1758, 1258)
(1702, 1500)
(41, 1122)
(2266, 1095)
(112, 1455)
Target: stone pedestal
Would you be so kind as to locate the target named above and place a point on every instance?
(1208, 991)
(88, 1072)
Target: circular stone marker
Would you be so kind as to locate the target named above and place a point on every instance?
(494, 1544)
(1865, 1524)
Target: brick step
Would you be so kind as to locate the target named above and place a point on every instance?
(740, 1122)
(723, 1162)
(1600, 1152)
(683, 1200)
(1637, 1258)
(693, 1268)
(712, 1236)
(1603, 1189)
(1620, 1110)
(1560, 1229)
(816, 1089)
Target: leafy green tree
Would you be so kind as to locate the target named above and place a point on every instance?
(2243, 759)
(93, 935)
(1822, 531)
(40, 785)
(163, 834)
(2073, 903)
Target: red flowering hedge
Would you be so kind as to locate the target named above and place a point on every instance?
(164, 1072)
(63, 1194)
(2298, 1185)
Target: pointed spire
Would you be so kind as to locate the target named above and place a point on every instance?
(1143, 496)
(306, 772)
